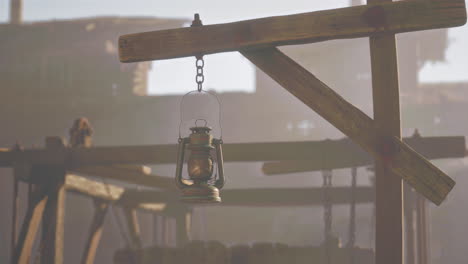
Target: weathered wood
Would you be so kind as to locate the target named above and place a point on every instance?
(345, 154)
(135, 174)
(95, 232)
(386, 101)
(351, 22)
(108, 192)
(78, 158)
(293, 196)
(30, 226)
(133, 227)
(52, 242)
(401, 159)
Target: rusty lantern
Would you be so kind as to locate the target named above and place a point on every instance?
(202, 187)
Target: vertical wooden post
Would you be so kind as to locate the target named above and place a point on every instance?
(53, 225)
(95, 232)
(53, 178)
(409, 224)
(389, 197)
(14, 217)
(183, 222)
(422, 230)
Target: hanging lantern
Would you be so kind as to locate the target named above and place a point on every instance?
(200, 166)
(202, 186)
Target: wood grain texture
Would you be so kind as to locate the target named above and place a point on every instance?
(386, 101)
(350, 22)
(400, 158)
(346, 154)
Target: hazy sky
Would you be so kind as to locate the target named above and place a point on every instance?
(226, 71)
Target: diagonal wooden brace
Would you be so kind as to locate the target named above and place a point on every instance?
(400, 158)
(30, 226)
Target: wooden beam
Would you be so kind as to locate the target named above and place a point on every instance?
(52, 241)
(135, 174)
(346, 154)
(30, 226)
(78, 158)
(95, 232)
(350, 22)
(388, 187)
(110, 193)
(401, 159)
(293, 196)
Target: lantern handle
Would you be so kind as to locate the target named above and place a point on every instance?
(180, 163)
(219, 158)
(219, 111)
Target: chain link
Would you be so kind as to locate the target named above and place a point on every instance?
(327, 216)
(199, 77)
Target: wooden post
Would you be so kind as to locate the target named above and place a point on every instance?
(30, 226)
(409, 224)
(95, 232)
(133, 226)
(183, 222)
(53, 178)
(422, 230)
(386, 99)
(53, 225)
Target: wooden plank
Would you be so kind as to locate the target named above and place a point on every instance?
(78, 158)
(95, 232)
(30, 226)
(350, 22)
(347, 154)
(109, 192)
(401, 159)
(386, 100)
(135, 174)
(293, 196)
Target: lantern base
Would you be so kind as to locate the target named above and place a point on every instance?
(200, 193)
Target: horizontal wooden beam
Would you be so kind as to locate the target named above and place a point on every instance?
(78, 158)
(135, 174)
(424, 177)
(106, 192)
(350, 22)
(346, 154)
(157, 201)
(293, 196)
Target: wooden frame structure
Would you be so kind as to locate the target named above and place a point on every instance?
(53, 178)
(380, 20)
(257, 40)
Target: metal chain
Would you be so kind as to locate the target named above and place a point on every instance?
(199, 77)
(327, 216)
(352, 214)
